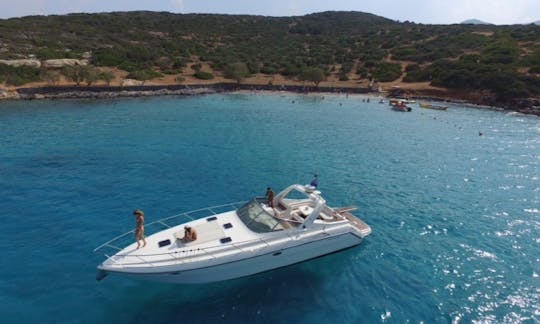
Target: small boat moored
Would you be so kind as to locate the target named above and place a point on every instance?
(399, 105)
(431, 106)
(260, 235)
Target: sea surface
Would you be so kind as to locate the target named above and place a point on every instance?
(453, 198)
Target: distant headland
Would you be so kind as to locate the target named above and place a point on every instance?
(156, 52)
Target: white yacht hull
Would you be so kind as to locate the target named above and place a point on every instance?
(254, 264)
(254, 238)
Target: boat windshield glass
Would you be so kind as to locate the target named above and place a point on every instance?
(257, 219)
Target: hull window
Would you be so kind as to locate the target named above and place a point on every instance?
(225, 240)
(164, 243)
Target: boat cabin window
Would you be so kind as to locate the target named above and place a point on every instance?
(296, 195)
(257, 219)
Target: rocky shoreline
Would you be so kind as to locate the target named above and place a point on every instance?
(69, 92)
(107, 92)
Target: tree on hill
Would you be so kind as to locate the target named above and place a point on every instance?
(91, 75)
(18, 76)
(50, 76)
(76, 73)
(143, 75)
(312, 74)
(107, 76)
(203, 75)
(386, 72)
(459, 56)
(237, 71)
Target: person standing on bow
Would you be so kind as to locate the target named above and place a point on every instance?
(139, 230)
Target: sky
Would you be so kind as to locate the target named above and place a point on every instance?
(419, 11)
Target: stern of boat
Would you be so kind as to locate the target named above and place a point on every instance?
(359, 225)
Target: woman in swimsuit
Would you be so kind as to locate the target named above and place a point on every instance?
(139, 231)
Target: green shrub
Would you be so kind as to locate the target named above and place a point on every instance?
(416, 74)
(290, 70)
(253, 67)
(172, 71)
(108, 57)
(370, 64)
(129, 58)
(179, 79)
(362, 72)
(202, 75)
(347, 67)
(501, 52)
(17, 76)
(107, 76)
(405, 53)
(535, 69)
(180, 62)
(312, 74)
(267, 69)
(130, 66)
(196, 67)
(386, 72)
(237, 71)
(143, 75)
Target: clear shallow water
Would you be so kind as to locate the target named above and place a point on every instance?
(455, 215)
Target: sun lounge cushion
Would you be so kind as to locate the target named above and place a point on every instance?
(206, 232)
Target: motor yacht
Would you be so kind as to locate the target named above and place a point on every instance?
(236, 240)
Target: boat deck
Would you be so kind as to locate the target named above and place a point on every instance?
(359, 224)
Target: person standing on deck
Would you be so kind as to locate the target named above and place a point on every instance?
(270, 197)
(139, 230)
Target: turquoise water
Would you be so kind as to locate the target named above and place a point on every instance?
(455, 215)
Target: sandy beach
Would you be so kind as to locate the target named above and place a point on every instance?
(167, 85)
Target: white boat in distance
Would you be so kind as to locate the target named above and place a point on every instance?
(239, 242)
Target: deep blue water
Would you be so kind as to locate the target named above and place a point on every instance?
(455, 215)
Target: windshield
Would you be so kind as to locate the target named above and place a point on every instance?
(257, 219)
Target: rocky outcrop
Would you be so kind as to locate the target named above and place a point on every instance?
(58, 92)
(8, 94)
(131, 82)
(61, 63)
(99, 92)
(49, 64)
(23, 62)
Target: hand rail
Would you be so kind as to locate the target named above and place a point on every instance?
(162, 222)
(180, 256)
(185, 254)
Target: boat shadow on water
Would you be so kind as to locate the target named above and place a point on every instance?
(290, 292)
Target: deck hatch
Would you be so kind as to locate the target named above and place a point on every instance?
(225, 240)
(227, 226)
(210, 219)
(164, 243)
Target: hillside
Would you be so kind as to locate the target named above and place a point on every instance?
(474, 21)
(498, 63)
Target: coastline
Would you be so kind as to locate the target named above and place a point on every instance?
(62, 92)
(107, 92)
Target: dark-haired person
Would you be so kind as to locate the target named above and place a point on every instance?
(139, 230)
(190, 234)
(270, 197)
